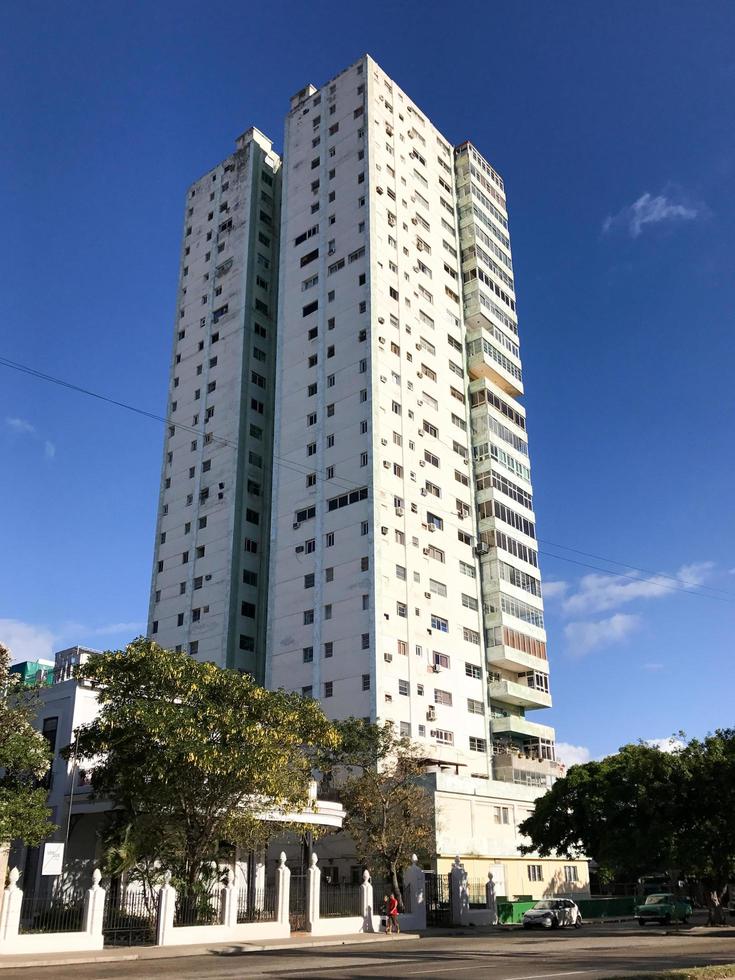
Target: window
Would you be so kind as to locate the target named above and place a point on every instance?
(472, 670)
(468, 601)
(439, 588)
(501, 815)
(308, 654)
(434, 521)
(329, 649)
(328, 689)
(478, 744)
(366, 682)
(436, 553)
(474, 707)
(442, 697)
(247, 609)
(535, 872)
(440, 659)
(365, 641)
(443, 736)
(404, 688)
(438, 623)
(571, 873)
(309, 580)
(471, 636)
(308, 617)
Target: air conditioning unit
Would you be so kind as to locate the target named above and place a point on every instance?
(296, 525)
(420, 401)
(419, 347)
(420, 246)
(383, 442)
(383, 378)
(399, 511)
(379, 190)
(381, 340)
(422, 462)
(386, 464)
(431, 528)
(414, 221)
(419, 374)
(384, 530)
(431, 713)
(436, 668)
(299, 549)
(424, 491)
(388, 657)
(426, 551)
(460, 515)
(432, 733)
(421, 433)
(428, 595)
(381, 319)
(207, 578)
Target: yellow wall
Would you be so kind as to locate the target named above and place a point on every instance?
(516, 874)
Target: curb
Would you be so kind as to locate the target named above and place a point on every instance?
(20, 960)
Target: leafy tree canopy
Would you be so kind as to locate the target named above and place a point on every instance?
(24, 760)
(645, 810)
(389, 813)
(191, 754)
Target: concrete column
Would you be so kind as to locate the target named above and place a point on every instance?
(415, 880)
(313, 890)
(490, 899)
(366, 904)
(94, 906)
(283, 890)
(229, 904)
(10, 913)
(166, 910)
(458, 899)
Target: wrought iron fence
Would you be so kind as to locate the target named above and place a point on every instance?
(382, 888)
(258, 905)
(476, 893)
(52, 913)
(200, 908)
(130, 918)
(297, 903)
(437, 899)
(339, 900)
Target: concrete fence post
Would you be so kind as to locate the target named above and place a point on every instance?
(415, 881)
(166, 910)
(283, 890)
(491, 899)
(229, 904)
(366, 902)
(458, 899)
(313, 891)
(94, 907)
(10, 913)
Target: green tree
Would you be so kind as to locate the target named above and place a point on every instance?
(192, 755)
(24, 760)
(389, 813)
(644, 810)
(621, 810)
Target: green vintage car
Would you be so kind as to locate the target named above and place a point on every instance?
(663, 907)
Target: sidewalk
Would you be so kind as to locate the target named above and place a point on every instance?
(123, 954)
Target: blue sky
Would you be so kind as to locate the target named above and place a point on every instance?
(612, 125)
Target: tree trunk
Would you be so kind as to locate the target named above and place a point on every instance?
(394, 884)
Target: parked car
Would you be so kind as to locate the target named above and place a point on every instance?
(553, 913)
(664, 908)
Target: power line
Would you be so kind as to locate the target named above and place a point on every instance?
(634, 578)
(303, 470)
(636, 568)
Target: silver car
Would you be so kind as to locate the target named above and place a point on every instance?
(553, 913)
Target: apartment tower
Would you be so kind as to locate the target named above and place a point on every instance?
(210, 572)
(403, 580)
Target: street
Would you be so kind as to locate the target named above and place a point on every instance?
(595, 953)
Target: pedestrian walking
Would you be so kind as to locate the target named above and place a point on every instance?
(392, 918)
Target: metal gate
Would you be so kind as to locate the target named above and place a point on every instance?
(437, 892)
(297, 903)
(130, 918)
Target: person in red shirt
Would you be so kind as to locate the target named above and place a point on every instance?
(391, 922)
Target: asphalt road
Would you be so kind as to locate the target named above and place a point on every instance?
(593, 954)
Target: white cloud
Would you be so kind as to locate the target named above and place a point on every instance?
(133, 629)
(572, 755)
(21, 426)
(670, 744)
(653, 210)
(584, 637)
(555, 590)
(27, 642)
(600, 592)
(49, 449)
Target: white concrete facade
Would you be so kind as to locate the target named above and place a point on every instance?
(210, 561)
(385, 596)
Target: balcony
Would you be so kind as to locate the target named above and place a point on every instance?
(509, 692)
(512, 659)
(528, 770)
(485, 359)
(518, 725)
